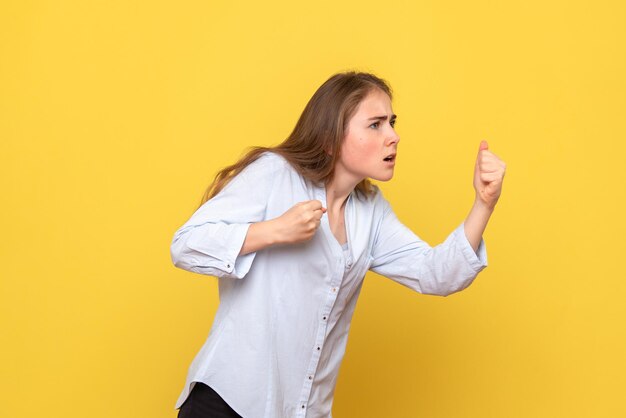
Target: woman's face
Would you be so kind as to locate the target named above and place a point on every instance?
(370, 145)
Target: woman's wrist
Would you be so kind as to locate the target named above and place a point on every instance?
(476, 222)
(484, 206)
(260, 235)
(271, 229)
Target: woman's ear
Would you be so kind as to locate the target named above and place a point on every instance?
(328, 149)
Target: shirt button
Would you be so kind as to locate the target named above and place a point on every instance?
(318, 349)
(334, 289)
(227, 265)
(310, 377)
(324, 318)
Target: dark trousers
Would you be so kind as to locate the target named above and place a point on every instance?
(204, 402)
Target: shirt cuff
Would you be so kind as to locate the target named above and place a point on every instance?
(241, 263)
(222, 257)
(476, 259)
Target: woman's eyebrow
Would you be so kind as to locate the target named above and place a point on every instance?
(393, 117)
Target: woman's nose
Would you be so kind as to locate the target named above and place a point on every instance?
(394, 138)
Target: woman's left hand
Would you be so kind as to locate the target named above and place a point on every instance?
(488, 175)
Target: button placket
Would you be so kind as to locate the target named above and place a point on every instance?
(321, 334)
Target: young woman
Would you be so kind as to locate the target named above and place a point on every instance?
(290, 232)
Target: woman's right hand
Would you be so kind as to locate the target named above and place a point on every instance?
(297, 224)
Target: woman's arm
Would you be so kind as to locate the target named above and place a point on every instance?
(476, 222)
(211, 240)
(451, 266)
(298, 224)
(222, 237)
(488, 175)
(399, 254)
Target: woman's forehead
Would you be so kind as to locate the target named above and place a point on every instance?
(376, 103)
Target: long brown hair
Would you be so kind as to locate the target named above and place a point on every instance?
(314, 145)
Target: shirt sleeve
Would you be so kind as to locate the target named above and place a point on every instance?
(210, 241)
(402, 256)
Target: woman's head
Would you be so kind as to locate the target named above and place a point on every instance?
(315, 143)
(314, 146)
(370, 145)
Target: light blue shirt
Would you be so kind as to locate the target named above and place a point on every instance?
(281, 328)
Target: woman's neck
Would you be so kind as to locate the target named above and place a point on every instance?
(337, 192)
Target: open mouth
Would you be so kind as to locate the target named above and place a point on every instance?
(389, 158)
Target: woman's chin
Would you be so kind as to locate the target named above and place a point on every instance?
(383, 177)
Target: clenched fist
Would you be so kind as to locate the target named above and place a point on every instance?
(300, 222)
(488, 175)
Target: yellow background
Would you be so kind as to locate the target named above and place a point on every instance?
(115, 115)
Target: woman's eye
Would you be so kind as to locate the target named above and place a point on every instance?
(393, 123)
(374, 125)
